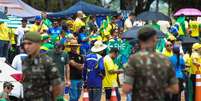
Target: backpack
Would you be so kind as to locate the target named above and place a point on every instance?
(93, 71)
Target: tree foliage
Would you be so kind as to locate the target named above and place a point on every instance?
(138, 5)
(55, 5)
(178, 4)
(143, 6)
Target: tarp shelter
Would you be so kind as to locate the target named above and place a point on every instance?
(18, 8)
(2, 15)
(85, 7)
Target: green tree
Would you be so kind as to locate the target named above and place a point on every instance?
(178, 4)
(142, 6)
(55, 5)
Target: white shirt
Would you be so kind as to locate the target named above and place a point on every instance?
(17, 90)
(138, 23)
(164, 25)
(128, 24)
(20, 34)
(17, 62)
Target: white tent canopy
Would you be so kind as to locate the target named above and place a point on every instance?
(18, 8)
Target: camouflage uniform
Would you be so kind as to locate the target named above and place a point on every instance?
(40, 74)
(150, 74)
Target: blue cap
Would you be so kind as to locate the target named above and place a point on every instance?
(38, 18)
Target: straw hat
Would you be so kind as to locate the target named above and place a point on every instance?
(73, 43)
(98, 46)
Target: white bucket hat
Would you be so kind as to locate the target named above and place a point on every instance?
(82, 13)
(98, 46)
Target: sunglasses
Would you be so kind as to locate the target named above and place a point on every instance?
(168, 45)
(10, 88)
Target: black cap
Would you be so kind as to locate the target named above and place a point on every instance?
(24, 20)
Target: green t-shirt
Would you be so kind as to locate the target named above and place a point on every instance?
(3, 99)
(61, 59)
(47, 22)
(156, 26)
(3, 96)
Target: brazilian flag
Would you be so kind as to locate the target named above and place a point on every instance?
(125, 50)
(182, 28)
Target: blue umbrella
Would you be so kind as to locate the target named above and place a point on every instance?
(85, 7)
(132, 33)
(150, 15)
(2, 15)
(189, 40)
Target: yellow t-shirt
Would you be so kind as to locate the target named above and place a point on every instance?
(4, 32)
(195, 58)
(12, 34)
(195, 27)
(187, 59)
(78, 23)
(35, 28)
(167, 53)
(110, 80)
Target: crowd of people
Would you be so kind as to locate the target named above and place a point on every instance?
(83, 53)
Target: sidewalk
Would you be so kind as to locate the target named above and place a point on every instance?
(123, 96)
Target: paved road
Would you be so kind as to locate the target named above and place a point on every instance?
(123, 96)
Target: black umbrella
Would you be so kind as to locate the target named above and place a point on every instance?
(132, 33)
(2, 15)
(189, 40)
(150, 15)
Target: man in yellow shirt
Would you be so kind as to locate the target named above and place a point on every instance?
(39, 26)
(4, 40)
(195, 29)
(168, 50)
(78, 23)
(196, 58)
(111, 73)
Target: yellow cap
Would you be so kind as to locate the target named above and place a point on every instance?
(196, 46)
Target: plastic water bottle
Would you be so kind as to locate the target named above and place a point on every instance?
(66, 90)
(66, 93)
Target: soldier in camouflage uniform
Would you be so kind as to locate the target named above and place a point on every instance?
(149, 75)
(41, 79)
